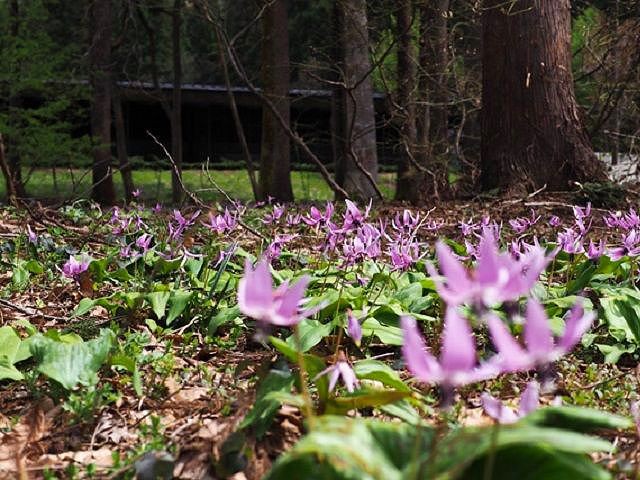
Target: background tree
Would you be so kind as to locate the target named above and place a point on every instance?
(532, 134)
(275, 168)
(100, 25)
(357, 162)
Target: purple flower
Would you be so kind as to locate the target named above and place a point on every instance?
(275, 247)
(570, 242)
(467, 228)
(541, 348)
(136, 193)
(353, 217)
(316, 217)
(73, 267)
(354, 330)
(403, 255)
(458, 358)
(157, 208)
(257, 299)
(31, 235)
(143, 242)
(406, 223)
(595, 251)
(498, 277)
(275, 215)
(341, 369)
(221, 223)
(630, 246)
(554, 221)
(529, 401)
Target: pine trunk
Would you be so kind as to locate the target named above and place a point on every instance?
(532, 134)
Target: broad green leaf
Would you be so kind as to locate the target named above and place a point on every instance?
(158, 301)
(311, 333)
(380, 371)
(224, 316)
(71, 363)
(388, 334)
(178, 302)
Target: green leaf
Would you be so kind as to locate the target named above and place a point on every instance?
(71, 363)
(311, 333)
(388, 334)
(223, 317)
(178, 302)
(363, 398)
(265, 407)
(380, 371)
(577, 419)
(158, 301)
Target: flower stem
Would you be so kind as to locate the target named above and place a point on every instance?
(304, 389)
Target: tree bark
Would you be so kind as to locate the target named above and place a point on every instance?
(275, 168)
(6, 172)
(176, 104)
(406, 114)
(433, 90)
(100, 75)
(15, 103)
(532, 134)
(121, 146)
(358, 167)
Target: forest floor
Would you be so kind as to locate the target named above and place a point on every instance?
(179, 392)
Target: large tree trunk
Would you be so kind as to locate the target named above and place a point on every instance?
(176, 104)
(532, 134)
(100, 74)
(358, 168)
(433, 89)
(275, 169)
(15, 103)
(121, 146)
(406, 114)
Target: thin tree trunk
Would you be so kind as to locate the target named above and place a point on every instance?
(15, 103)
(100, 74)
(176, 104)
(6, 172)
(275, 167)
(532, 134)
(406, 115)
(121, 146)
(433, 115)
(235, 114)
(359, 167)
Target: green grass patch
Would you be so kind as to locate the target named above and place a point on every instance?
(156, 184)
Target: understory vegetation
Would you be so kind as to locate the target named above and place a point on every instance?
(338, 341)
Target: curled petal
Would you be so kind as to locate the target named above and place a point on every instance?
(496, 410)
(530, 399)
(419, 361)
(577, 324)
(255, 297)
(458, 346)
(511, 356)
(286, 310)
(537, 332)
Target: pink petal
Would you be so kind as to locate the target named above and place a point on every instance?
(496, 410)
(348, 376)
(530, 399)
(333, 379)
(577, 324)
(286, 311)
(458, 346)
(419, 361)
(255, 296)
(512, 356)
(488, 269)
(453, 270)
(537, 332)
